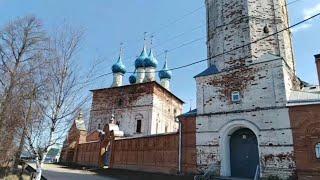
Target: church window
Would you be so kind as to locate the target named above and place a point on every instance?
(99, 126)
(138, 130)
(318, 151)
(266, 29)
(166, 129)
(235, 96)
(120, 102)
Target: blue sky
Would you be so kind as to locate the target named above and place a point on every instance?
(107, 23)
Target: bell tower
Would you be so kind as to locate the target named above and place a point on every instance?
(236, 23)
(245, 89)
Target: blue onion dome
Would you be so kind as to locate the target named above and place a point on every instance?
(119, 67)
(132, 79)
(151, 61)
(139, 63)
(165, 73)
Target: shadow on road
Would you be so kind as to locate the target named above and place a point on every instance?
(120, 174)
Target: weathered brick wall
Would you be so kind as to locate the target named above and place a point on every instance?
(263, 73)
(148, 102)
(246, 20)
(165, 110)
(305, 122)
(126, 103)
(75, 136)
(271, 128)
(88, 154)
(94, 136)
(157, 153)
(261, 85)
(189, 152)
(152, 153)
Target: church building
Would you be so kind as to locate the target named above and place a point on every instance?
(144, 107)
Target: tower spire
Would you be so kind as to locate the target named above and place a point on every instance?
(165, 74)
(165, 59)
(145, 39)
(118, 70)
(121, 50)
(151, 41)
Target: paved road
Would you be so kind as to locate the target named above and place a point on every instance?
(53, 172)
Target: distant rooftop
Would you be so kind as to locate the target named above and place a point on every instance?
(191, 113)
(306, 97)
(209, 71)
(139, 84)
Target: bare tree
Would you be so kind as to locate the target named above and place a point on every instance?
(62, 95)
(21, 44)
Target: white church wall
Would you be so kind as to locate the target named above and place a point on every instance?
(148, 102)
(261, 85)
(165, 109)
(274, 135)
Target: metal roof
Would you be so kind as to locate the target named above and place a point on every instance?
(303, 98)
(209, 71)
(189, 114)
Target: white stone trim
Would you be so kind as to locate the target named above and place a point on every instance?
(224, 133)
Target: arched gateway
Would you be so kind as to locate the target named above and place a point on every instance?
(244, 153)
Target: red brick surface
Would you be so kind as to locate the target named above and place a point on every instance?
(305, 121)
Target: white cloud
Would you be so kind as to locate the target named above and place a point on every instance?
(311, 11)
(301, 27)
(307, 13)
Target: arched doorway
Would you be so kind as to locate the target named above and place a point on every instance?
(244, 153)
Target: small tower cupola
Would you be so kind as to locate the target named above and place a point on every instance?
(140, 63)
(165, 75)
(118, 70)
(133, 78)
(151, 64)
(119, 67)
(151, 61)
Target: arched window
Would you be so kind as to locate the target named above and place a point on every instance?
(138, 130)
(120, 102)
(318, 150)
(138, 119)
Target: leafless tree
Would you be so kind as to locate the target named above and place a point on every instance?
(21, 45)
(61, 96)
(41, 87)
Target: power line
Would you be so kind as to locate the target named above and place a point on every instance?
(236, 48)
(248, 44)
(169, 24)
(292, 2)
(182, 45)
(178, 19)
(177, 36)
(235, 20)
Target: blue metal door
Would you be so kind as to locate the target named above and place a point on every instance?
(244, 155)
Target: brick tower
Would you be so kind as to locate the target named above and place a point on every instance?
(234, 23)
(243, 125)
